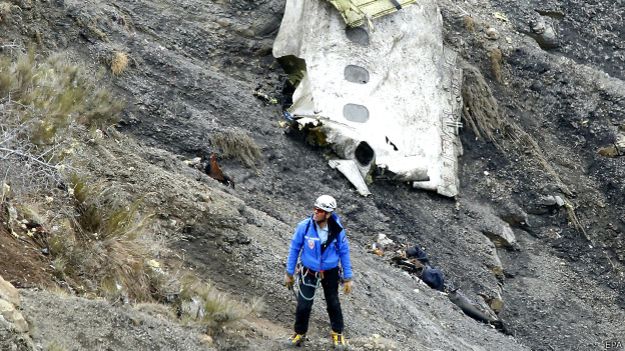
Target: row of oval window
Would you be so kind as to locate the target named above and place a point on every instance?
(356, 74)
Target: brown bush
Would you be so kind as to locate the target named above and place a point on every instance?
(469, 23)
(119, 62)
(496, 59)
(214, 309)
(235, 143)
(101, 246)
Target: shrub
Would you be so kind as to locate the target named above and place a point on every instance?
(201, 302)
(43, 103)
(496, 58)
(119, 62)
(235, 143)
(53, 94)
(469, 23)
(101, 247)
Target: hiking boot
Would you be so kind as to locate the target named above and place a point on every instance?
(338, 341)
(297, 339)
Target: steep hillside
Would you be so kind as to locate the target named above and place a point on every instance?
(543, 127)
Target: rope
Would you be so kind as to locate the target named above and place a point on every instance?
(301, 276)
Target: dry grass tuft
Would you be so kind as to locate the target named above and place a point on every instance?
(572, 217)
(481, 110)
(119, 62)
(100, 247)
(53, 94)
(481, 113)
(469, 23)
(236, 143)
(203, 303)
(94, 30)
(496, 59)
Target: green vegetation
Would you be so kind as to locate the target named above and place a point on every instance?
(98, 243)
(51, 95)
(101, 246)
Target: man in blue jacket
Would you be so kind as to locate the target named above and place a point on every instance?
(322, 243)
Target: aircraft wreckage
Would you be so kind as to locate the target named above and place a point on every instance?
(374, 80)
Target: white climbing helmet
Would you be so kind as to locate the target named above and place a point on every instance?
(326, 203)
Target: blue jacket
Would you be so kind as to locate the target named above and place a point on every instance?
(306, 241)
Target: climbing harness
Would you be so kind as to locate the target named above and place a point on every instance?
(301, 273)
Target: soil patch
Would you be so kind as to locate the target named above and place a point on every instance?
(22, 263)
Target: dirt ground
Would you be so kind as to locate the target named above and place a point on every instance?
(23, 265)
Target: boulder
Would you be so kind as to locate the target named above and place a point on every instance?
(493, 227)
(13, 327)
(543, 31)
(512, 214)
(13, 316)
(9, 293)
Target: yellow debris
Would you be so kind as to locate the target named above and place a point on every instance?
(154, 264)
(500, 16)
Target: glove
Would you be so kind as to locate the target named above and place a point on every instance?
(347, 286)
(289, 281)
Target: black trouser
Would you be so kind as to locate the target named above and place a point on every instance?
(330, 284)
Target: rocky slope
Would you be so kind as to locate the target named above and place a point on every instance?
(559, 100)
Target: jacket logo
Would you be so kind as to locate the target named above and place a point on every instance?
(311, 243)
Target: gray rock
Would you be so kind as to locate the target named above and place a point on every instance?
(542, 30)
(13, 316)
(492, 33)
(12, 341)
(513, 214)
(549, 200)
(500, 234)
(9, 293)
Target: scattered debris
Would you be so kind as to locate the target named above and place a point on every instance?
(355, 13)
(414, 260)
(214, 171)
(551, 200)
(500, 16)
(352, 173)
(211, 168)
(384, 241)
(473, 309)
(265, 98)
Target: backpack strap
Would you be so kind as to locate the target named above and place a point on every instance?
(333, 232)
